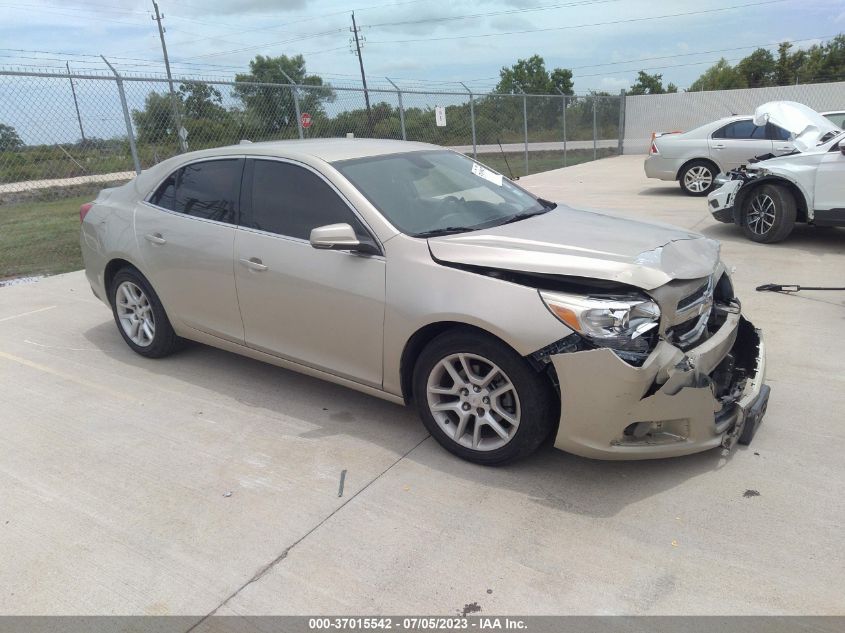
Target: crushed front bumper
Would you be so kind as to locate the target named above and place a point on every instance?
(670, 401)
(720, 201)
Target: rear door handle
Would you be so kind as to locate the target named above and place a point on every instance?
(155, 238)
(253, 263)
(719, 146)
(784, 148)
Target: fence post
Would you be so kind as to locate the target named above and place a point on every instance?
(621, 121)
(295, 90)
(401, 108)
(133, 150)
(525, 127)
(595, 132)
(471, 119)
(563, 119)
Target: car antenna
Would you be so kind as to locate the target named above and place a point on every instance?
(510, 173)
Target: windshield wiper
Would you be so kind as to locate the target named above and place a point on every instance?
(523, 216)
(547, 203)
(449, 230)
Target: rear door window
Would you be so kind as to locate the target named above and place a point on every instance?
(206, 189)
(290, 200)
(778, 133)
(741, 130)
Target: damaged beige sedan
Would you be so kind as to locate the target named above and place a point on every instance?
(418, 275)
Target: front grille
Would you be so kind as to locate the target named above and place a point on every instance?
(694, 297)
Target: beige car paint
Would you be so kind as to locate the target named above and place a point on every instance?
(297, 307)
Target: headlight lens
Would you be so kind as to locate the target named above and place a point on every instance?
(618, 322)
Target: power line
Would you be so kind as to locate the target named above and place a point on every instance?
(579, 26)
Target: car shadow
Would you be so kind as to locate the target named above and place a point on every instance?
(550, 477)
(804, 237)
(674, 190)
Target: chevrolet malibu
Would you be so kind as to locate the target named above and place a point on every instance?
(418, 275)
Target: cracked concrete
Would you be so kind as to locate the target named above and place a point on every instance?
(114, 471)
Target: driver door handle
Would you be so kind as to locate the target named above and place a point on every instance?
(253, 263)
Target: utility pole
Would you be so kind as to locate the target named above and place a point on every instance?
(355, 30)
(177, 119)
(75, 103)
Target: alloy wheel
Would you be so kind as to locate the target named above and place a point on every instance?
(473, 401)
(761, 214)
(135, 314)
(698, 179)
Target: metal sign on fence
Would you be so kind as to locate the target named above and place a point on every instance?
(306, 120)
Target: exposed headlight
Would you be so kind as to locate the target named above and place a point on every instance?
(617, 322)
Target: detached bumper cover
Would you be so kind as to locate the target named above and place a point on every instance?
(720, 201)
(672, 395)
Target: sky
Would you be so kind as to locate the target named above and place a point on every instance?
(416, 43)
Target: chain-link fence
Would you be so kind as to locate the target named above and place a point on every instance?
(63, 137)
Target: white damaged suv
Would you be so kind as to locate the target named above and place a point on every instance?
(770, 194)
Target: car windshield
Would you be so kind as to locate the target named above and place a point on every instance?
(439, 192)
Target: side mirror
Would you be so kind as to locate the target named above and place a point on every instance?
(340, 237)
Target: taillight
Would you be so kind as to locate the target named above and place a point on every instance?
(84, 209)
(653, 149)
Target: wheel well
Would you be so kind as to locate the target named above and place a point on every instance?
(112, 268)
(696, 160)
(800, 202)
(416, 344)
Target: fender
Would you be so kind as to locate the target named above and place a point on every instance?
(751, 185)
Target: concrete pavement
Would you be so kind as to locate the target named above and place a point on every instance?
(115, 473)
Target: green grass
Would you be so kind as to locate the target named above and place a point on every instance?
(40, 238)
(540, 161)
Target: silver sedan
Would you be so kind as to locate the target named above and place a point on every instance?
(696, 157)
(418, 275)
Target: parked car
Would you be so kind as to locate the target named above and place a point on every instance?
(418, 275)
(767, 197)
(838, 118)
(696, 157)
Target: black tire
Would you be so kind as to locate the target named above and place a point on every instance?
(703, 167)
(538, 405)
(165, 341)
(757, 207)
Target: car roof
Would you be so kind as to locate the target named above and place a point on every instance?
(306, 151)
(326, 149)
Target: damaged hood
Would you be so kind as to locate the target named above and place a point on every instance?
(578, 243)
(805, 124)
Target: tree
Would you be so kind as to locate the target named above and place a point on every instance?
(201, 101)
(155, 122)
(720, 76)
(648, 84)
(273, 106)
(9, 139)
(671, 88)
(758, 69)
(530, 76)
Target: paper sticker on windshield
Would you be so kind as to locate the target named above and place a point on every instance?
(478, 170)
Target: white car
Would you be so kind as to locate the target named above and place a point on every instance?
(767, 197)
(696, 157)
(838, 117)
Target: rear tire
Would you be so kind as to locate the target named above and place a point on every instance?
(481, 400)
(769, 214)
(697, 178)
(140, 317)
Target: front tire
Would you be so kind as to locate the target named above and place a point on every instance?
(698, 178)
(481, 400)
(140, 317)
(769, 214)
